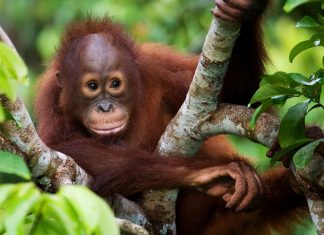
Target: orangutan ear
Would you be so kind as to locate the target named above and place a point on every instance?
(59, 79)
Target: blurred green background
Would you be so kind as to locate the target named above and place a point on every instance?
(35, 27)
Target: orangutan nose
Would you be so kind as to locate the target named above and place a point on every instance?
(105, 106)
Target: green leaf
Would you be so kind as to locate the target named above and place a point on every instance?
(320, 18)
(59, 216)
(268, 90)
(299, 78)
(305, 154)
(315, 107)
(107, 222)
(5, 192)
(292, 126)
(319, 77)
(313, 89)
(278, 78)
(280, 99)
(13, 164)
(6, 87)
(12, 64)
(315, 41)
(19, 206)
(285, 152)
(92, 211)
(310, 23)
(263, 107)
(292, 4)
(45, 226)
(2, 114)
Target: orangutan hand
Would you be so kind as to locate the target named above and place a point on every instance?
(237, 183)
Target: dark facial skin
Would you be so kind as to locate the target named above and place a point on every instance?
(102, 99)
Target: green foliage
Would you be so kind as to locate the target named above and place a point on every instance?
(316, 40)
(289, 150)
(13, 164)
(279, 87)
(74, 210)
(304, 155)
(292, 4)
(292, 125)
(13, 71)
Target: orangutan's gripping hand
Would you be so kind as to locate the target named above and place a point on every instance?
(237, 183)
(237, 10)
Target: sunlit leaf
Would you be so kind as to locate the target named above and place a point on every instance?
(299, 78)
(14, 66)
(292, 126)
(315, 107)
(6, 87)
(291, 4)
(13, 164)
(310, 23)
(92, 211)
(45, 226)
(2, 114)
(304, 155)
(17, 208)
(5, 192)
(278, 78)
(107, 223)
(268, 90)
(315, 41)
(59, 216)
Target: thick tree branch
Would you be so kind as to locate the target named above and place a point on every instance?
(49, 167)
(182, 136)
(130, 227)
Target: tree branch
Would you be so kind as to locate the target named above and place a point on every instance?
(130, 227)
(49, 167)
(182, 136)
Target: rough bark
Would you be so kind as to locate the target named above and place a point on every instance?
(183, 136)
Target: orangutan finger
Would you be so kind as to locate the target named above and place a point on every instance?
(252, 190)
(240, 186)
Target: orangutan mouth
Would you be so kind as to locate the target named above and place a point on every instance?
(109, 128)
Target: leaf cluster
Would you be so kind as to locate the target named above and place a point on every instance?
(277, 88)
(24, 210)
(13, 71)
(74, 210)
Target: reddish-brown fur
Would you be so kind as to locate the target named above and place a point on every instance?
(125, 165)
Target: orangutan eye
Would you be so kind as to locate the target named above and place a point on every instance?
(115, 83)
(93, 86)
